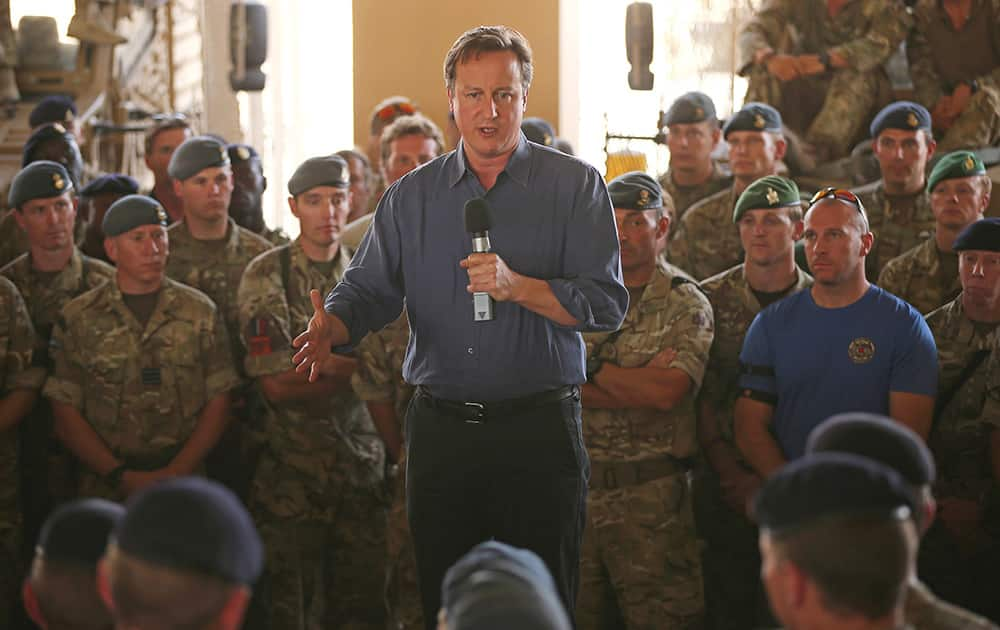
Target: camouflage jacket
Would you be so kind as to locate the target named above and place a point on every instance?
(865, 32)
(276, 236)
(707, 241)
(916, 276)
(735, 307)
(141, 389)
(379, 377)
(896, 231)
(672, 313)
(686, 196)
(215, 269)
(935, 66)
(924, 611)
(960, 437)
(321, 442)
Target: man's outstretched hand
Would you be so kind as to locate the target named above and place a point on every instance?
(315, 342)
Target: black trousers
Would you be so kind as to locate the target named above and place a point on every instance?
(520, 479)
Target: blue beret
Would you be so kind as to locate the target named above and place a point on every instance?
(327, 170)
(879, 438)
(195, 155)
(130, 212)
(955, 165)
(241, 153)
(824, 485)
(753, 117)
(770, 191)
(111, 183)
(693, 107)
(539, 131)
(193, 524)
(38, 180)
(54, 108)
(51, 131)
(78, 531)
(635, 190)
(904, 115)
(983, 235)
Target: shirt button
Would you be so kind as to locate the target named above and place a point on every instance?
(469, 350)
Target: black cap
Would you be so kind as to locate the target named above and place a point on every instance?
(693, 107)
(55, 108)
(78, 532)
(130, 212)
(111, 183)
(825, 485)
(193, 524)
(635, 190)
(195, 155)
(50, 131)
(983, 235)
(327, 170)
(902, 115)
(241, 153)
(879, 438)
(539, 131)
(753, 117)
(39, 180)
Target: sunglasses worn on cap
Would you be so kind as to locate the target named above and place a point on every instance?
(841, 194)
(395, 109)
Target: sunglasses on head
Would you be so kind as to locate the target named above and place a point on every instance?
(395, 109)
(838, 193)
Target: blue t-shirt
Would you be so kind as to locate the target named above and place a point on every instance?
(827, 361)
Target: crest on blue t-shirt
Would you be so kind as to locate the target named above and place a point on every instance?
(861, 350)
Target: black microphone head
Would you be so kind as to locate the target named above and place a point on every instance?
(477, 216)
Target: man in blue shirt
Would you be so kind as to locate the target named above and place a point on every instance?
(844, 345)
(494, 446)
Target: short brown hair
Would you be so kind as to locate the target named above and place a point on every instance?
(481, 39)
(176, 121)
(415, 125)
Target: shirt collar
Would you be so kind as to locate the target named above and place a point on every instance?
(518, 166)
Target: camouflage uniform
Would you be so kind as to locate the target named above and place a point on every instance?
(316, 494)
(865, 33)
(17, 340)
(141, 389)
(941, 57)
(707, 241)
(896, 230)
(733, 592)
(922, 277)
(686, 196)
(640, 552)
(379, 378)
(276, 237)
(924, 611)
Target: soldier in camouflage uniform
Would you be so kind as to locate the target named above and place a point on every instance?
(954, 55)
(960, 551)
(247, 204)
(927, 275)
(704, 245)
(19, 385)
(640, 559)
(95, 199)
(768, 229)
(692, 135)
(898, 205)
(141, 369)
(316, 495)
(820, 62)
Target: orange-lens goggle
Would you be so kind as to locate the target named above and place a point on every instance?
(396, 109)
(838, 193)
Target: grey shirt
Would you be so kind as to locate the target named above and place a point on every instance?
(552, 220)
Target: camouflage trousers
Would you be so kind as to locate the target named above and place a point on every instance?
(10, 567)
(640, 564)
(402, 593)
(978, 126)
(840, 106)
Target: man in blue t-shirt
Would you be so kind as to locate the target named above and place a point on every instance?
(844, 345)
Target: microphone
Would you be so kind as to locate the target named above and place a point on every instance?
(477, 223)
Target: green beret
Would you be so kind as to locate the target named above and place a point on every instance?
(693, 107)
(767, 192)
(328, 170)
(195, 155)
(39, 180)
(954, 166)
(635, 190)
(983, 235)
(130, 212)
(753, 117)
(902, 115)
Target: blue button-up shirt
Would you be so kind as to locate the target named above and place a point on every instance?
(552, 220)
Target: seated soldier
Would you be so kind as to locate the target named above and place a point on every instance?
(184, 557)
(95, 199)
(362, 179)
(954, 55)
(246, 206)
(927, 275)
(820, 62)
(61, 591)
(539, 131)
(384, 114)
(162, 139)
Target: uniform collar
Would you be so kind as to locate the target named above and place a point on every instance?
(518, 166)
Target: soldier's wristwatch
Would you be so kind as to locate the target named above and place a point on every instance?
(594, 366)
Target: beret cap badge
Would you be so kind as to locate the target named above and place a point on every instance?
(969, 164)
(759, 122)
(643, 198)
(912, 121)
(57, 181)
(243, 153)
(772, 196)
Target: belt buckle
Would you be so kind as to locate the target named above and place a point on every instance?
(479, 415)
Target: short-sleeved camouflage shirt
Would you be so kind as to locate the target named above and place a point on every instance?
(920, 277)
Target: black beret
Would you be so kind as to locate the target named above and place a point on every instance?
(195, 155)
(770, 191)
(54, 108)
(539, 131)
(193, 524)
(635, 190)
(78, 531)
(955, 165)
(879, 438)
(130, 212)
(823, 485)
(693, 107)
(241, 153)
(327, 170)
(38, 180)
(904, 115)
(983, 235)
(50, 131)
(111, 183)
(753, 117)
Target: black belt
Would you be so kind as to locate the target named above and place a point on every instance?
(612, 475)
(477, 412)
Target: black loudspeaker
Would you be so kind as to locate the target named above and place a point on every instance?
(248, 39)
(639, 44)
